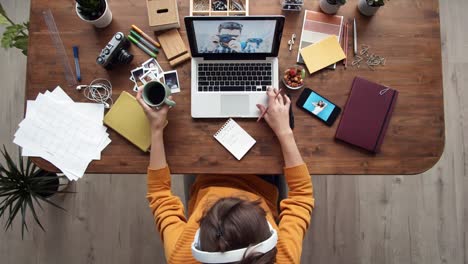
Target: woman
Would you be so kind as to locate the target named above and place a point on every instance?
(232, 219)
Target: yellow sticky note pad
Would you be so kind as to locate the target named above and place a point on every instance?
(322, 54)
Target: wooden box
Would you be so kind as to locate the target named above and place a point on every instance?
(205, 8)
(163, 14)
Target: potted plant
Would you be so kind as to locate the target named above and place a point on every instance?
(23, 186)
(370, 7)
(331, 6)
(15, 35)
(95, 12)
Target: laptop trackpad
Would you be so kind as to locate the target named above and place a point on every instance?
(235, 105)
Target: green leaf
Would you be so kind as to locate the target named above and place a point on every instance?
(13, 212)
(9, 193)
(14, 36)
(21, 162)
(4, 20)
(24, 225)
(33, 210)
(37, 201)
(28, 166)
(11, 165)
(50, 202)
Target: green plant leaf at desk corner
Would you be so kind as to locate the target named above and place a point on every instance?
(15, 37)
(15, 34)
(3, 20)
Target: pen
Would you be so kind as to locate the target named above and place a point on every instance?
(77, 63)
(355, 37)
(143, 34)
(144, 41)
(291, 115)
(266, 110)
(141, 46)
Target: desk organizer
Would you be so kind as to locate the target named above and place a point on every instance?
(163, 14)
(207, 7)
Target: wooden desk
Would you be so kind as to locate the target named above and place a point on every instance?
(406, 33)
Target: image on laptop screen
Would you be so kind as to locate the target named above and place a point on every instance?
(234, 36)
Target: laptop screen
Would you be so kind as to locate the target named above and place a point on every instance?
(233, 35)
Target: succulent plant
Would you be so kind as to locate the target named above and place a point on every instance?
(91, 9)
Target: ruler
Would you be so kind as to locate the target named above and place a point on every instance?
(61, 54)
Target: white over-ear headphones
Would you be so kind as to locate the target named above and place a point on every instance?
(233, 255)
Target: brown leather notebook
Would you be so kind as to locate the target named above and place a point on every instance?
(367, 114)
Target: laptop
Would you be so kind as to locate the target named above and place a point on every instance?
(234, 60)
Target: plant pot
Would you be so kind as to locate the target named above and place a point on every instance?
(329, 8)
(101, 22)
(59, 184)
(366, 9)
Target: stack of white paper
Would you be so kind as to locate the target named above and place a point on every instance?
(67, 134)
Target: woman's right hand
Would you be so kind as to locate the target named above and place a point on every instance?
(277, 115)
(156, 117)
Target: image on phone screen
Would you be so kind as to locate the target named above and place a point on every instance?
(319, 106)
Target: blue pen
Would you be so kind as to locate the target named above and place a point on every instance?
(77, 63)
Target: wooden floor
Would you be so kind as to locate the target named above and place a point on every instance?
(363, 219)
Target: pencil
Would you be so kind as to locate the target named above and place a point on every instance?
(266, 110)
(343, 28)
(141, 46)
(143, 34)
(346, 32)
(355, 37)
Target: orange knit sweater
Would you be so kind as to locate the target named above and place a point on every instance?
(177, 232)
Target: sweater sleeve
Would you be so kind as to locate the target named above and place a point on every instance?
(167, 209)
(295, 213)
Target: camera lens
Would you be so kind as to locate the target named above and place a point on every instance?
(124, 57)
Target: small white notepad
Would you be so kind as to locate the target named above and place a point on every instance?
(235, 139)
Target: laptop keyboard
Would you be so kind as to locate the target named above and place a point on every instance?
(234, 77)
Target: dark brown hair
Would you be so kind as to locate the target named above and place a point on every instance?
(234, 223)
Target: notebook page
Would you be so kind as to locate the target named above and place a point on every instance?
(235, 139)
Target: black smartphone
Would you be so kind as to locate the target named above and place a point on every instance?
(318, 106)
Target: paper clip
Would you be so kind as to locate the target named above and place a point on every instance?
(384, 91)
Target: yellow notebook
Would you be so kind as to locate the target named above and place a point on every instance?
(128, 119)
(322, 54)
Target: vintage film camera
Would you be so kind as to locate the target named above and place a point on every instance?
(115, 52)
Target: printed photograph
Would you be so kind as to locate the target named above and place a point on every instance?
(148, 77)
(152, 64)
(136, 74)
(172, 81)
(234, 36)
